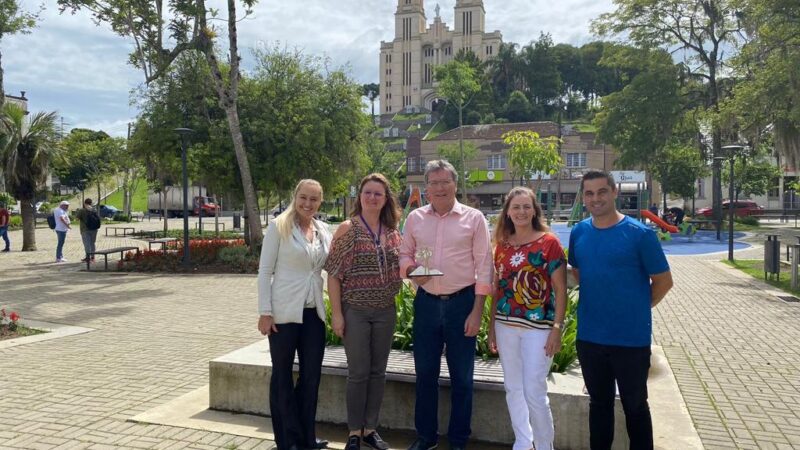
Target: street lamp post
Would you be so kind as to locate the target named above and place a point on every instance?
(731, 150)
(184, 134)
(718, 190)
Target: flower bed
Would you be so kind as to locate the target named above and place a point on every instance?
(11, 328)
(206, 255)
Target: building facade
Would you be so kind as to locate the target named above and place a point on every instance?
(408, 61)
(490, 175)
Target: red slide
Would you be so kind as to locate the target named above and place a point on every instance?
(657, 220)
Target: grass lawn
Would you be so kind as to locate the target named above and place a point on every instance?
(755, 268)
(21, 331)
(583, 127)
(437, 129)
(139, 198)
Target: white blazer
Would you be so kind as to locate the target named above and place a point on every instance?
(288, 274)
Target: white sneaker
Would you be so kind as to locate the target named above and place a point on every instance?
(61, 260)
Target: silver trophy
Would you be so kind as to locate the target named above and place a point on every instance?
(423, 256)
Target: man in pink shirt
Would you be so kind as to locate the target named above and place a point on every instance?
(448, 308)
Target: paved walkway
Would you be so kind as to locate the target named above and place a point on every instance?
(732, 345)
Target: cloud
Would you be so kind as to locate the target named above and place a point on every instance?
(71, 65)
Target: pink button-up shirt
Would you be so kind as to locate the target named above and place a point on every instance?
(460, 246)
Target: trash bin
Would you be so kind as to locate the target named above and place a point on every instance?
(237, 221)
(772, 256)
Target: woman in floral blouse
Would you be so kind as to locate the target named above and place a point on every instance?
(529, 306)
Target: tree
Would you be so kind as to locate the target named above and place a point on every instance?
(541, 72)
(677, 168)
(13, 20)
(639, 120)
(372, 91)
(185, 22)
(26, 148)
(531, 155)
(705, 31)
(458, 83)
(452, 154)
(519, 109)
(504, 69)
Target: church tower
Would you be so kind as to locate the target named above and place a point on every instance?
(408, 61)
(470, 25)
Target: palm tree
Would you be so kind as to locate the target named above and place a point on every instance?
(26, 148)
(504, 69)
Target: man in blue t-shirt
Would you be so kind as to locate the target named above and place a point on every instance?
(623, 273)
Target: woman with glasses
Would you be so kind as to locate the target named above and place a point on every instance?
(528, 312)
(363, 280)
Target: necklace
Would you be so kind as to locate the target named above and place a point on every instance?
(380, 252)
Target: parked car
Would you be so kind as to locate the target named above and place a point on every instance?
(742, 208)
(108, 211)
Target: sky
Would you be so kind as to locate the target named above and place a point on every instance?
(70, 65)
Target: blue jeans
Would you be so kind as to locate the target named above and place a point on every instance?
(4, 235)
(439, 323)
(62, 236)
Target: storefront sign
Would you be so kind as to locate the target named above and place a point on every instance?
(628, 176)
(485, 175)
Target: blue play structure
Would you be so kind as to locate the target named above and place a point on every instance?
(701, 243)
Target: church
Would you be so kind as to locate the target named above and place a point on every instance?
(408, 61)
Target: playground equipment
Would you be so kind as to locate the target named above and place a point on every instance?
(659, 222)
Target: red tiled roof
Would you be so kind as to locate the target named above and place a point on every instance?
(496, 131)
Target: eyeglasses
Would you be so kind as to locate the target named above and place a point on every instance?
(439, 183)
(372, 194)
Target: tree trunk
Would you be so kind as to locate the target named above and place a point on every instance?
(164, 211)
(250, 199)
(2, 89)
(28, 225)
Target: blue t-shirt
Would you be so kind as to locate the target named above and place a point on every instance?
(615, 265)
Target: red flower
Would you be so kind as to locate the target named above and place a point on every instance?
(13, 316)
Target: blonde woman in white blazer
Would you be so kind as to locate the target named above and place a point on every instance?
(292, 314)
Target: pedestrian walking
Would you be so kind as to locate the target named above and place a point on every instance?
(61, 215)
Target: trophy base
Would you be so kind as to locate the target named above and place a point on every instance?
(422, 272)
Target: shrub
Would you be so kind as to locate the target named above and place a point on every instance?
(404, 332)
(202, 253)
(334, 219)
(15, 222)
(747, 220)
(121, 217)
(239, 259)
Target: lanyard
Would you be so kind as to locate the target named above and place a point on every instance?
(375, 239)
(380, 253)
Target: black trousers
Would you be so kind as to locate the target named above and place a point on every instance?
(628, 366)
(294, 406)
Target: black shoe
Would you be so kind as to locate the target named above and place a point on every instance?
(374, 440)
(353, 443)
(422, 444)
(319, 444)
(6, 250)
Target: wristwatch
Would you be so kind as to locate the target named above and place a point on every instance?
(557, 326)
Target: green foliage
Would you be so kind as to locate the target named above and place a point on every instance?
(15, 223)
(639, 120)
(239, 259)
(452, 154)
(754, 177)
(6, 199)
(747, 220)
(404, 328)
(530, 155)
(88, 157)
(677, 168)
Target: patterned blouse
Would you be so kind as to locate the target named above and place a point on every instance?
(370, 275)
(525, 295)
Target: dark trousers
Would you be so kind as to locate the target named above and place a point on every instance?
(601, 366)
(294, 406)
(439, 324)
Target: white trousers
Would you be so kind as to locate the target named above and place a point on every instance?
(525, 370)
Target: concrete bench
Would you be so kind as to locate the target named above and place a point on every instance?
(109, 251)
(122, 228)
(163, 242)
(239, 382)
